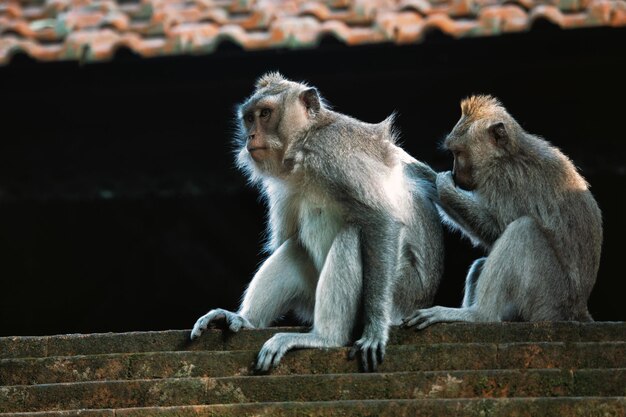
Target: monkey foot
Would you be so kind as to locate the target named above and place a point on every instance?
(425, 317)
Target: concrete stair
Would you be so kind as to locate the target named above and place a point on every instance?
(521, 369)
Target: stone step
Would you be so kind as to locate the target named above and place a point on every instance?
(174, 340)
(399, 358)
(310, 388)
(491, 407)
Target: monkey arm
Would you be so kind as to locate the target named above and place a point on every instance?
(280, 282)
(367, 189)
(358, 181)
(379, 248)
(283, 278)
(337, 302)
(466, 211)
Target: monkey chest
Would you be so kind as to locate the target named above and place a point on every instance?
(318, 227)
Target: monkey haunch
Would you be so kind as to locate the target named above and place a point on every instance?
(355, 241)
(524, 201)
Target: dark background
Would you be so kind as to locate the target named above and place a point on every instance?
(120, 208)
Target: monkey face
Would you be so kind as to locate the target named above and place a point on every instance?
(277, 114)
(259, 121)
(462, 170)
(474, 143)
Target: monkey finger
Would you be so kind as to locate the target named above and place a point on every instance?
(445, 180)
(267, 365)
(410, 322)
(424, 324)
(445, 176)
(198, 328)
(372, 355)
(262, 362)
(425, 319)
(277, 358)
(377, 355)
(195, 333)
(245, 323)
(380, 353)
(204, 321)
(352, 353)
(214, 315)
(354, 350)
(364, 364)
(234, 321)
(234, 326)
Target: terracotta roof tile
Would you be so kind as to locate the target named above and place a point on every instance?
(92, 30)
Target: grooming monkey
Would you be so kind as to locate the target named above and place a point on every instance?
(523, 201)
(355, 240)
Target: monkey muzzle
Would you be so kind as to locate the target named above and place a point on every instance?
(257, 153)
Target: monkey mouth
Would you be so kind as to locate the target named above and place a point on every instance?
(257, 154)
(251, 149)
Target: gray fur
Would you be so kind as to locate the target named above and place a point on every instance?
(532, 211)
(354, 236)
(469, 296)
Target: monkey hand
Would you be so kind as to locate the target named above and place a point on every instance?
(273, 351)
(371, 349)
(235, 321)
(445, 183)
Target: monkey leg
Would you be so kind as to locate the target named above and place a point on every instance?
(425, 317)
(285, 278)
(337, 300)
(469, 295)
(523, 278)
(437, 314)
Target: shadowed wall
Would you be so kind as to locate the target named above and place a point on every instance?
(120, 208)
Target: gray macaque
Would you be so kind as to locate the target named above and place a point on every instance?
(355, 240)
(524, 202)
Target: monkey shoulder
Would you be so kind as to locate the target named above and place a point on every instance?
(342, 131)
(354, 152)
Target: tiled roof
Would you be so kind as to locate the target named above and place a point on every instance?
(92, 30)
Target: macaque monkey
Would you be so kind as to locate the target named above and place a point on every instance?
(522, 200)
(355, 240)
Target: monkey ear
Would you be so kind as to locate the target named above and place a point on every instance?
(311, 99)
(498, 133)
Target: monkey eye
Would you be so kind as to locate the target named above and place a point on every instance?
(265, 113)
(249, 117)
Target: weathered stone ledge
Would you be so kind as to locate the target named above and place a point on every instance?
(438, 356)
(488, 407)
(493, 369)
(307, 388)
(175, 340)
